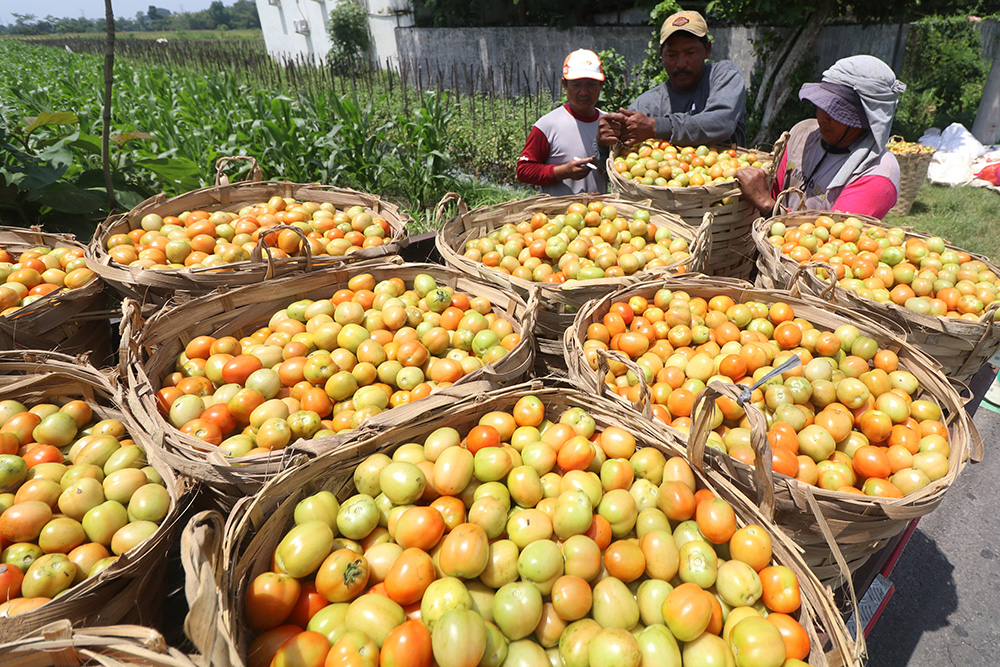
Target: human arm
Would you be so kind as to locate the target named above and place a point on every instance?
(532, 167)
(754, 188)
(715, 124)
(868, 195)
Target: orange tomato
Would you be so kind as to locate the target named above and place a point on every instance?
(623, 559)
(270, 600)
(794, 636)
(407, 645)
(752, 545)
(716, 520)
(780, 589)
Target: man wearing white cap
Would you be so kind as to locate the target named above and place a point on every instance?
(558, 155)
(839, 158)
(701, 102)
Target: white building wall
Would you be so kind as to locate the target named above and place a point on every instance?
(282, 20)
(295, 27)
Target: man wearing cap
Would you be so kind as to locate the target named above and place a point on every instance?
(839, 159)
(558, 155)
(700, 102)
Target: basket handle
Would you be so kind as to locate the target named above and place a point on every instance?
(784, 195)
(201, 554)
(794, 281)
(838, 557)
(644, 405)
(254, 174)
(698, 437)
(448, 198)
(258, 250)
(702, 242)
(895, 138)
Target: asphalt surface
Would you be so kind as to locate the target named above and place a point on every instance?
(946, 606)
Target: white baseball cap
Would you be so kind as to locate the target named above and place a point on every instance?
(583, 64)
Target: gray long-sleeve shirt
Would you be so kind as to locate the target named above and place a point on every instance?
(712, 113)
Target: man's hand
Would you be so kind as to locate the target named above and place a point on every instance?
(638, 127)
(609, 128)
(575, 169)
(753, 183)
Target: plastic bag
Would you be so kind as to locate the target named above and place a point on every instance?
(990, 173)
(957, 139)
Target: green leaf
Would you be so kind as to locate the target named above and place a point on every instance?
(32, 123)
(68, 198)
(175, 170)
(122, 139)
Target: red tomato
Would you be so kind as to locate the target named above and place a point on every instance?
(219, 414)
(420, 527)
(306, 649)
(203, 429)
(310, 601)
(42, 454)
(408, 645)
(10, 581)
(482, 436)
(342, 576)
(716, 520)
(796, 638)
(270, 600)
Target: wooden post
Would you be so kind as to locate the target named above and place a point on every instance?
(109, 77)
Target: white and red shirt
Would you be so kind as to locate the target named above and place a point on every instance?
(557, 138)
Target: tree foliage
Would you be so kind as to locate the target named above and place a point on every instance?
(348, 30)
(240, 15)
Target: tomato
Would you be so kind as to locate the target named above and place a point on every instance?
(441, 596)
(757, 643)
(10, 581)
(408, 645)
(48, 576)
(716, 520)
(306, 649)
(572, 597)
(410, 575)
(658, 646)
(264, 647)
(353, 649)
(501, 567)
(738, 584)
(528, 411)
(304, 548)
(23, 522)
(375, 615)
(780, 589)
(419, 527)
(342, 575)
(357, 517)
(687, 611)
(309, 602)
(614, 604)
(270, 599)
(795, 637)
(464, 551)
(707, 650)
(402, 482)
(752, 545)
(459, 639)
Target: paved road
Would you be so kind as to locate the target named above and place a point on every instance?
(946, 608)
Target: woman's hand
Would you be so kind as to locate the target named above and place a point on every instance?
(753, 183)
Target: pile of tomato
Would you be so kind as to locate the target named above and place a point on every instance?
(660, 163)
(847, 418)
(197, 239)
(523, 541)
(324, 366)
(75, 494)
(38, 272)
(884, 265)
(589, 241)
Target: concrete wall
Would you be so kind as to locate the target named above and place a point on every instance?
(528, 59)
(278, 22)
(384, 17)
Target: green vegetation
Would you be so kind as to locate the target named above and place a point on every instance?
(348, 31)
(173, 122)
(966, 217)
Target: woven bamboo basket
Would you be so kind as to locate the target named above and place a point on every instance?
(730, 252)
(150, 349)
(75, 322)
(558, 303)
(258, 524)
(132, 588)
(60, 644)
(155, 287)
(912, 174)
(862, 525)
(960, 347)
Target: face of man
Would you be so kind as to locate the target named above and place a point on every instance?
(836, 133)
(684, 57)
(582, 95)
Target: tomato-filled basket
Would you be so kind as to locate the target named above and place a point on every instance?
(335, 372)
(730, 251)
(914, 160)
(503, 230)
(50, 300)
(517, 597)
(89, 509)
(809, 422)
(952, 319)
(240, 233)
(59, 643)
